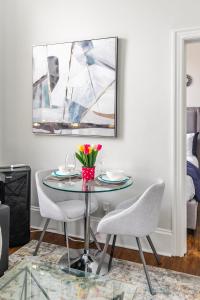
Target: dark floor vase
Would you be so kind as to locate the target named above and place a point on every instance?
(16, 194)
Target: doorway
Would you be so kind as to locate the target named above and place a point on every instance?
(179, 209)
(192, 76)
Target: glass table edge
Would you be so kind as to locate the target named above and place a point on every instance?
(91, 192)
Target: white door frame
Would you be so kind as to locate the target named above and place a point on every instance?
(179, 39)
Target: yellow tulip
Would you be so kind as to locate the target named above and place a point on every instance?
(81, 148)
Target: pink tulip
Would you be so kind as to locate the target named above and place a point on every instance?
(87, 145)
(86, 149)
(98, 147)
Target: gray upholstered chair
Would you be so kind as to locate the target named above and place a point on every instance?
(137, 219)
(4, 237)
(55, 205)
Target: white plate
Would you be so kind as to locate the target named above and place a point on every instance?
(105, 178)
(59, 173)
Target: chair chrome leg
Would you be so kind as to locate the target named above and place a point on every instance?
(65, 231)
(103, 254)
(112, 252)
(67, 244)
(145, 266)
(41, 237)
(84, 228)
(153, 249)
(95, 239)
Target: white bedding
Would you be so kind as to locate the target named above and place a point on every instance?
(190, 190)
(189, 143)
(193, 160)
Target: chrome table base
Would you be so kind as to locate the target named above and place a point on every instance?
(73, 253)
(86, 262)
(88, 259)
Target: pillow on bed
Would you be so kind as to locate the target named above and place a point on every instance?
(193, 160)
(189, 143)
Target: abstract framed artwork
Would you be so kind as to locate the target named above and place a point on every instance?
(75, 88)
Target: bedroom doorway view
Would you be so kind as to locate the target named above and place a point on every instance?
(193, 146)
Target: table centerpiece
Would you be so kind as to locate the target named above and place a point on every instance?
(87, 155)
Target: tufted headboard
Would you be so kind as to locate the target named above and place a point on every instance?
(193, 126)
(193, 119)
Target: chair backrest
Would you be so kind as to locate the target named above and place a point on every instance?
(48, 197)
(141, 218)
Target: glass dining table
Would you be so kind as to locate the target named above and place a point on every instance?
(87, 261)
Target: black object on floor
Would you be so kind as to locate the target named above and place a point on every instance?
(15, 191)
(4, 228)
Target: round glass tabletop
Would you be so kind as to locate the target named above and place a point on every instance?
(77, 185)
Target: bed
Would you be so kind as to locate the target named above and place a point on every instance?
(193, 155)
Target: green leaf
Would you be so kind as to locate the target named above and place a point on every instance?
(78, 156)
(95, 156)
(92, 158)
(83, 158)
(86, 160)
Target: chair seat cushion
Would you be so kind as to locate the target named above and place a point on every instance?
(75, 209)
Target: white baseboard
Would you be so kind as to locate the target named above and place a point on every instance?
(162, 238)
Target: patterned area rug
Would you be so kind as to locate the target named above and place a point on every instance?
(168, 284)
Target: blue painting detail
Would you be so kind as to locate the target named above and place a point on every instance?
(75, 112)
(41, 95)
(86, 45)
(90, 60)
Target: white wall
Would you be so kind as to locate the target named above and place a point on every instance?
(193, 69)
(144, 145)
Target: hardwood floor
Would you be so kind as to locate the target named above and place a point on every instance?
(188, 264)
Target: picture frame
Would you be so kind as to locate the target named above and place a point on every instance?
(75, 88)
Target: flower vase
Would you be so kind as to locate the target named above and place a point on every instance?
(88, 173)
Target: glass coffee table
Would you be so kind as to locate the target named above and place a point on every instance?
(88, 260)
(38, 280)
